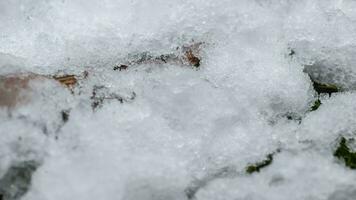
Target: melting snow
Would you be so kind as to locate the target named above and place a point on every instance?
(204, 90)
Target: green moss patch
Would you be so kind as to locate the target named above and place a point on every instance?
(316, 105)
(344, 153)
(258, 166)
(322, 88)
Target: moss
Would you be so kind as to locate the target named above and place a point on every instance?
(321, 88)
(344, 153)
(316, 105)
(258, 166)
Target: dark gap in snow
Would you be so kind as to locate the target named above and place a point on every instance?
(100, 94)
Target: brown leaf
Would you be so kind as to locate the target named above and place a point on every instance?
(68, 80)
(192, 59)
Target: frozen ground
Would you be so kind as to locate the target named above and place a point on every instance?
(180, 132)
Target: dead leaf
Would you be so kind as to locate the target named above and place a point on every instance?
(68, 80)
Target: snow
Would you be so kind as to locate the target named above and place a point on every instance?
(180, 127)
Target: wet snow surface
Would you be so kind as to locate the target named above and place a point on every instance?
(160, 128)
